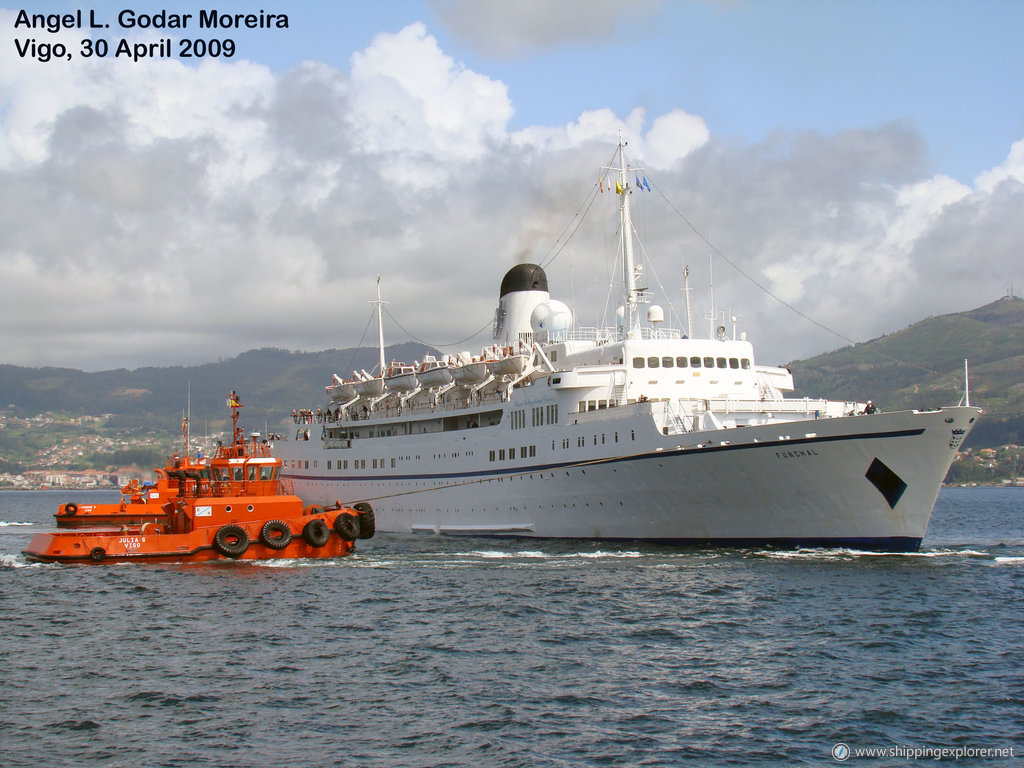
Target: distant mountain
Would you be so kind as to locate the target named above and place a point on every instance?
(269, 382)
(922, 366)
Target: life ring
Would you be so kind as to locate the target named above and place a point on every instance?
(347, 526)
(231, 541)
(276, 534)
(97, 554)
(70, 508)
(316, 533)
(367, 524)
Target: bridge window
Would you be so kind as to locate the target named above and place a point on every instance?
(667, 362)
(652, 362)
(745, 364)
(709, 362)
(734, 362)
(695, 362)
(721, 362)
(638, 362)
(681, 362)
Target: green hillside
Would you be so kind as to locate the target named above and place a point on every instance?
(922, 366)
(270, 382)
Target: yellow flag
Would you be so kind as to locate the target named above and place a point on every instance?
(618, 188)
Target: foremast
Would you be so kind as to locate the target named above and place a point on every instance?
(633, 293)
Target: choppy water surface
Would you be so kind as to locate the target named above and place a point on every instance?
(481, 652)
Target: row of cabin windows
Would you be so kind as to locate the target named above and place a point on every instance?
(581, 440)
(691, 362)
(525, 452)
(539, 416)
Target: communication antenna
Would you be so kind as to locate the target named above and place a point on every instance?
(686, 294)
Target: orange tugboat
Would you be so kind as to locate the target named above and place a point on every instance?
(231, 507)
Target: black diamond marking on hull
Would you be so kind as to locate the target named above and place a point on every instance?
(888, 483)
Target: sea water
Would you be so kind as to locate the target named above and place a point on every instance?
(427, 651)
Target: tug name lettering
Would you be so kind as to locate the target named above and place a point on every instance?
(131, 19)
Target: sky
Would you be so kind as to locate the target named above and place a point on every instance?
(829, 171)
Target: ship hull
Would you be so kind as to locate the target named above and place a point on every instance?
(867, 482)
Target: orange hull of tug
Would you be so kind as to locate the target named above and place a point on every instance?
(230, 507)
(150, 543)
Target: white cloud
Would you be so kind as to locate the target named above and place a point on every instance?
(162, 214)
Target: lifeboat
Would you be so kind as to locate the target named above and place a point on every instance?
(342, 391)
(231, 507)
(434, 373)
(370, 386)
(401, 377)
(469, 370)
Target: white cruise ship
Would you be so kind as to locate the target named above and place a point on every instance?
(635, 432)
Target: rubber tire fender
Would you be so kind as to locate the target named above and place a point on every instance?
(316, 533)
(276, 534)
(70, 508)
(347, 526)
(367, 524)
(97, 554)
(231, 540)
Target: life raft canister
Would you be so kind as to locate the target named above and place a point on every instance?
(316, 533)
(231, 541)
(276, 534)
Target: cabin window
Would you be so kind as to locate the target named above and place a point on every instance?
(522, 452)
(721, 362)
(667, 362)
(591, 405)
(501, 455)
(745, 364)
(681, 362)
(491, 456)
(346, 464)
(652, 362)
(709, 362)
(554, 356)
(695, 362)
(638, 362)
(266, 472)
(734, 362)
(533, 451)
(328, 463)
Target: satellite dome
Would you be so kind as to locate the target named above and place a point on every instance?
(524, 277)
(552, 316)
(655, 314)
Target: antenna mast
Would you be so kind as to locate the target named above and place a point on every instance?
(631, 321)
(380, 328)
(686, 296)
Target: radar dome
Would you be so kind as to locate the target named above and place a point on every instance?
(655, 314)
(552, 316)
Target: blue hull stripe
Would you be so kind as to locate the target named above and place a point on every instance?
(584, 463)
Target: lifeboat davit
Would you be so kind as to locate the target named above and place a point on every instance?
(232, 507)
